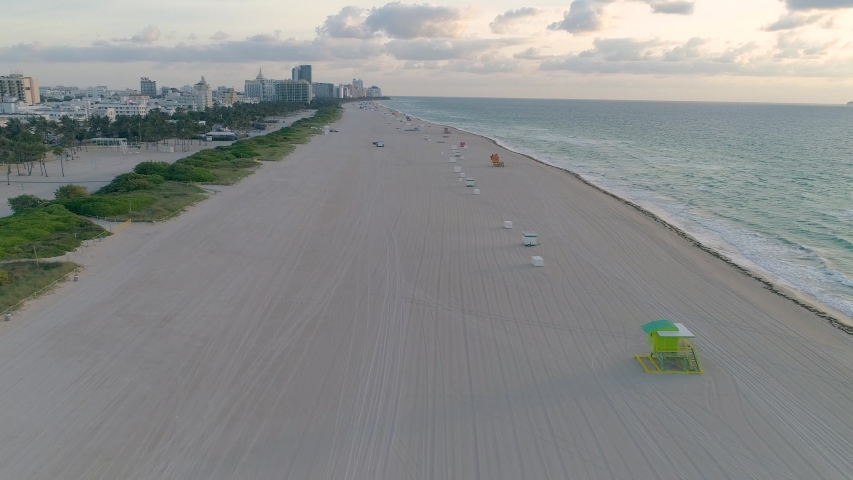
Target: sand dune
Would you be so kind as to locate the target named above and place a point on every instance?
(357, 313)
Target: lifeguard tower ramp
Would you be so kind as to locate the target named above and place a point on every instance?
(672, 349)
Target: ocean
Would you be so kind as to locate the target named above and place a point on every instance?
(768, 185)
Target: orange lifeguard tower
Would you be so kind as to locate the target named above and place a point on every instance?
(496, 160)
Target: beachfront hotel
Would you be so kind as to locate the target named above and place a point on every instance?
(25, 89)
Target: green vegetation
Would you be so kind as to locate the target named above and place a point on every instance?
(25, 202)
(52, 230)
(67, 192)
(28, 278)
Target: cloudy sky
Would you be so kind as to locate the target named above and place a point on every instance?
(728, 50)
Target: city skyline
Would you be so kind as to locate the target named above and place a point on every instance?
(796, 51)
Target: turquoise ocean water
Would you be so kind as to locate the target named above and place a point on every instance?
(769, 186)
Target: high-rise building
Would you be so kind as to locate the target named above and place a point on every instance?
(227, 96)
(373, 92)
(290, 91)
(323, 90)
(202, 89)
(148, 87)
(261, 88)
(301, 72)
(25, 89)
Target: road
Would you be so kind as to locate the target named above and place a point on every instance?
(356, 313)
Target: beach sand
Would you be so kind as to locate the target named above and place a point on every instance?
(95, 167)
(355, 312)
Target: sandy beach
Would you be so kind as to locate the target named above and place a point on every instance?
(356, 312)
(94, 167)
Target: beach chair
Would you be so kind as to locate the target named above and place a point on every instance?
(496, 160)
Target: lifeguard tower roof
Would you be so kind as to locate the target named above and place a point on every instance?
(666, 328)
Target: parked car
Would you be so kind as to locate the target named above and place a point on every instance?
(379, 144)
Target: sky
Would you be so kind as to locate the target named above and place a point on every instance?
(790, 51)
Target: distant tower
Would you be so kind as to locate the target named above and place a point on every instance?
(148, 87)
(301, 72)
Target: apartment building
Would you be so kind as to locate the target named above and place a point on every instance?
(25, 89)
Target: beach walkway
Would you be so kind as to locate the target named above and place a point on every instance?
(356, 312)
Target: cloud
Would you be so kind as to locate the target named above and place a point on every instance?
(792, 56)
(505, 22)
(818, 4)
(629, 55)
(791, 21)
(269, 50)
(348, 23)
(788, 45)
(396, 20)
(193, 36)
(584, 16)
(531, 53)
(444, 49)
(148, 35)
(218, 36)
(265, 37)
(421, 65)
(673, 7)
(691, 49)
(485, 65)
(731, 55)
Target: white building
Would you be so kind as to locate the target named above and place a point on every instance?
(120, 109)
(373, 91)
(205, 95)
(96, 92)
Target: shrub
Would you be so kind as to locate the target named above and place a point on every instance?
(182, 172)
(131, 182)
(25, 202)
(5, 278)
(108, 206)
(152, 168)
(67, 192)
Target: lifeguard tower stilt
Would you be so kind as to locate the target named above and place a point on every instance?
(672, 349)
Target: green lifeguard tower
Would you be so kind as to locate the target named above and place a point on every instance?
(672, 349)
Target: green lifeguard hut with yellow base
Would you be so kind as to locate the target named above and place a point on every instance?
(672, 349)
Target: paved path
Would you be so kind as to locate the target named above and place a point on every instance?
(356, 313)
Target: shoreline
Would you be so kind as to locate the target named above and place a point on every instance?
(833, 316)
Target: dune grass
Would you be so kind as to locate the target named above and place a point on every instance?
(52, 230)
(27, 278)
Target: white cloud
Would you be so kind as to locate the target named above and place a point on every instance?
(396, 20)
(507, 22)
(586, 16)
(583, 16)
(148, 35)
(789, 45)
(790, 57)
(348, 23)
(219, 35)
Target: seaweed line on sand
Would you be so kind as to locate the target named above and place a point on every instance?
(844, 327)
